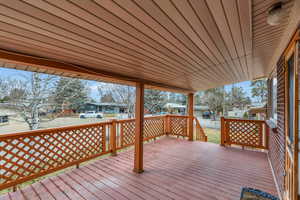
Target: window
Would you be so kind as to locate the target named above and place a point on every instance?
(274, 100)
(291, 100)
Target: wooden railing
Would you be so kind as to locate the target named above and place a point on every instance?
(178, 125)
(153, 127)
(28, 155)
(246, 133)
(200, 134)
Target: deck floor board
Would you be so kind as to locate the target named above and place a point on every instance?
(174, 169)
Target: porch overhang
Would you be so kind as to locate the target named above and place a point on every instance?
(178, 45)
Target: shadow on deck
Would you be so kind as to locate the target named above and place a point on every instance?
(174, 169)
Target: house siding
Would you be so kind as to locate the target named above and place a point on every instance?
(298, 73)
(277, 139)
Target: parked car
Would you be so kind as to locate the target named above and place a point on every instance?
(91, 114)
(206, 115)
(163, 113)
(3, 119)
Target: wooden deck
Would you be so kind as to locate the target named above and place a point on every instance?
(174, 169)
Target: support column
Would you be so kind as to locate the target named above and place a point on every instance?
(167, 125)
(113, 137)
(191, 116)
(139, 126)
(222, 131)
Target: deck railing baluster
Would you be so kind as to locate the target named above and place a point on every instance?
(245, 133)
(29, 155)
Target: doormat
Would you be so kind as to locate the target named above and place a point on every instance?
(254, 194)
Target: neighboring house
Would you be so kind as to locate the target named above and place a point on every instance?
(104, 107)
(3, 119)
(175, 108)
(257, 113)
(257, 104)
(237, 113)
(5, 113)
(201, 110)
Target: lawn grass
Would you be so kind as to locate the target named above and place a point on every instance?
(213, 135)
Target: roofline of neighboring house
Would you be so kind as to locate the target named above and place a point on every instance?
(107, 104)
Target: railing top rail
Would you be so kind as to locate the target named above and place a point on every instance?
(182, 116)
(148, 117)
(66, 128)
(47, 150)
(124, 120)
(244, 120)
(156, 116)
(196, 120)
(50, 130)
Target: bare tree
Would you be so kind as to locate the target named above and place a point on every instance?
(214, 99)
(238, 98)
(36, 90)
(259, 90)
(199, 98)
(121, 93)
(5, 87)
(155, 100)
(176, 98)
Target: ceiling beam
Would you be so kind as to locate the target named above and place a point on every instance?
(83, 71)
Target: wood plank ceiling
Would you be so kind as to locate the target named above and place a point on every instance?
(189, 44)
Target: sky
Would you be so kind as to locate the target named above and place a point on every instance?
(19, 74)
(12, 73)
(246, 85)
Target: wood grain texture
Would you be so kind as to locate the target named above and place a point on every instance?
(29, 155)
(191, 116)
(174, 169)
(139, 129)
(245, 133)
(187, 44)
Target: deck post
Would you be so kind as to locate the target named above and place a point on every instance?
(14, 188)
(113, 138)
(167, 124)
(191, 116)
(139, 126)
(222, 131)
(266, 135)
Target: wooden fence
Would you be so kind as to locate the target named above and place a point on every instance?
(249, 133)
(28, 155)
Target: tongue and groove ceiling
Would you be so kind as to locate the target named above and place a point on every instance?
(188, 44)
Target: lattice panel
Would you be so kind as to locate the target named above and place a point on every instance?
(38, 153)
(153, 127)
(127, 133)
(244, 133)
(178, 126)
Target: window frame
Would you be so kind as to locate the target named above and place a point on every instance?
(273, 101)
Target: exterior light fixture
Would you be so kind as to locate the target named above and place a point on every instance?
(275, 14)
